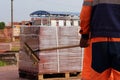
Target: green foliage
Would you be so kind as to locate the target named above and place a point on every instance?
(2, 63)
(2, 25)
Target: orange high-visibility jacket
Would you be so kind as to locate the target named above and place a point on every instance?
(101, 18)
(85, 17)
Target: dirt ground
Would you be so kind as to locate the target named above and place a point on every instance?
(9, 73)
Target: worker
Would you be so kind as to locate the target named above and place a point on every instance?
(100, 36)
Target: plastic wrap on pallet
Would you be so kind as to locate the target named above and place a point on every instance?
(48, 62)
(71, 60)
(54, 61)
(29, 30)
(28, 66)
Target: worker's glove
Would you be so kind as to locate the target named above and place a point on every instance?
(84, 41)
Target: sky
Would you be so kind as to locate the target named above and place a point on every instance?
(23, 8)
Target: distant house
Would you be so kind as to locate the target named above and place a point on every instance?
(52, 18)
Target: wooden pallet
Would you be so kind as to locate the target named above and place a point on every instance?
(57, 76)
(64, 76)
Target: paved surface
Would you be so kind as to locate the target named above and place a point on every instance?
(9, 73)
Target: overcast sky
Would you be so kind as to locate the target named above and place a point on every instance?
(22, 8)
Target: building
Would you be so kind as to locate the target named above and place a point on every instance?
(52, 18)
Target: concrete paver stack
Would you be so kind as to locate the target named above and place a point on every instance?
(51, 61)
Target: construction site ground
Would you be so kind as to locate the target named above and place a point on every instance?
(11, 73)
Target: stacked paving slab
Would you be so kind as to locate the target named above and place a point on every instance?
(51, 61)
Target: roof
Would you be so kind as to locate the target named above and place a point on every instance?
(47, 13)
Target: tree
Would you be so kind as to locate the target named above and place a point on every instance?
(2, 25)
